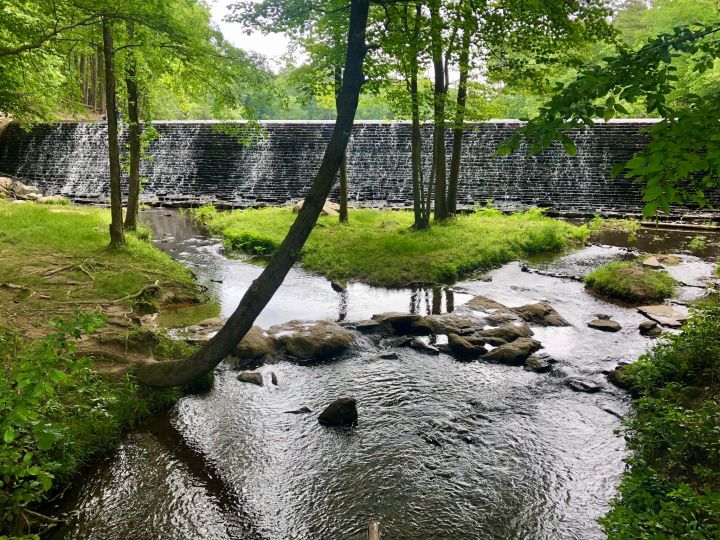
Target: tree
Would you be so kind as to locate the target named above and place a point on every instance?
(681, 161)
(166, 374)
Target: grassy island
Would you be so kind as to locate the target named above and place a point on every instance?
(380, 248)
(630, 282)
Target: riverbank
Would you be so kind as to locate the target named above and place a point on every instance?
(380, 248)
(671, 487)
(75, 318)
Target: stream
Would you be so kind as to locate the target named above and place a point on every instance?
(442, 450)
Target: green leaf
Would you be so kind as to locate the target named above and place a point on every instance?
(9, 435)
(617, 169)
(570, 148)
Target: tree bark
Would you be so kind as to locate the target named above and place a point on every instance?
(177, 373)
(459, 123)
(343, 163)
(133, 202)
(439, 158)
(117, 237)
(422, 220)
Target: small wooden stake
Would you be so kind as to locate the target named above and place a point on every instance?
(374, 530)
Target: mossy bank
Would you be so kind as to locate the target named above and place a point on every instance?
(381, 248)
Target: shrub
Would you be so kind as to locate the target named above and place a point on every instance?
(629, 282)
(598, 225)
(671, 487)
(698, 245)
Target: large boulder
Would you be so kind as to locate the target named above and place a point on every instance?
(24, 192)
(5, 187)
(539, 362)
(255, 345)
(314, 340)
(400, 323)
(328, 209)
(506, 333)
(341, 412)
(541, 314)
(515, 352)
(466, 347)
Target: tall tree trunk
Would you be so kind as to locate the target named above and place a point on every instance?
(133, 202)
(117, 237)
(439, 158)
(176, 373)
(422, 220)
(459, 123)
(343, 163)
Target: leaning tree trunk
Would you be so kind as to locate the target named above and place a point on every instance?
(459, 124)
(133, 202)
(116, 225)
(343, 163)
(176, 373)
(441, 212)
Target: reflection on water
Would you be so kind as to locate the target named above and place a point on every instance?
(442, 450)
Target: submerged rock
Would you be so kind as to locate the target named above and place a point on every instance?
(366, 327)
(650, 329)
(580, 385)
(337, 286)
(539, 363)
(420, 345)
(664, 314)
(515, 352)
(252, 377)
(301, 410)
(618, 377)
(606, 325)
(315, 340)
(341, 412)
(390, 356)
(273, 378)
(541, 314)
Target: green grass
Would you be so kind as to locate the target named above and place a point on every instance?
(598, 225)
(671, 489)
(380, 248)
(631, 283)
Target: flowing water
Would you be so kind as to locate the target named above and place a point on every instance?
(443, 449)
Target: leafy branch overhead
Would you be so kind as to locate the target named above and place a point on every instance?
(681, 161)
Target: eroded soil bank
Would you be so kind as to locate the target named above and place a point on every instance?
(442, 449)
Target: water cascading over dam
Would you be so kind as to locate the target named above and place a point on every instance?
(194, 162)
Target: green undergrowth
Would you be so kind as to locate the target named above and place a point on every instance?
(57, 414)
(627, 281)
(381, 248)
(672, 486)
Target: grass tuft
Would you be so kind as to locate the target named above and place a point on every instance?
(631, 283)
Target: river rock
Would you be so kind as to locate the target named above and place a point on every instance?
(448, 323)
(487, 305)
(541, 314)
(664, 314)
(649, 329)
(506, 333)
(580, 385)
(539, 363)
(390, 356)
(315, 340)
(337, 286)
(466, 347)
(652, 262)
(252, 377)
(420, 345)
(366, 327)
(328, 209)
(618, 377)
(273, 378)
(341, 412)
(399, 323)
(515, 352)
(256, 344)
(606, 325)
(301, 410)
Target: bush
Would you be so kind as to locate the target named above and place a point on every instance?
(598, 225)
(671, 487)
(698, 245)
(629, 282)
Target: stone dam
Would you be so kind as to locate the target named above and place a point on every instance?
(193, 163)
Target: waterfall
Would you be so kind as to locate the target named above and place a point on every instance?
(193, 163)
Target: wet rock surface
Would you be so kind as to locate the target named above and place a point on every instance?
(649, 329)
(252, 377)
(312, 340)
(605, 325)
(540, 362)
(664, 314)
(341, 412)
(585, 386)
(515, 352)
(541, 314)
